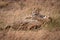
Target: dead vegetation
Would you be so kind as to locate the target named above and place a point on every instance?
(35, 22)
(3, 4)
(30, 20)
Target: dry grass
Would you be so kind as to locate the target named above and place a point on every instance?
(30, 35)
(3, 4)
(14, 13)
